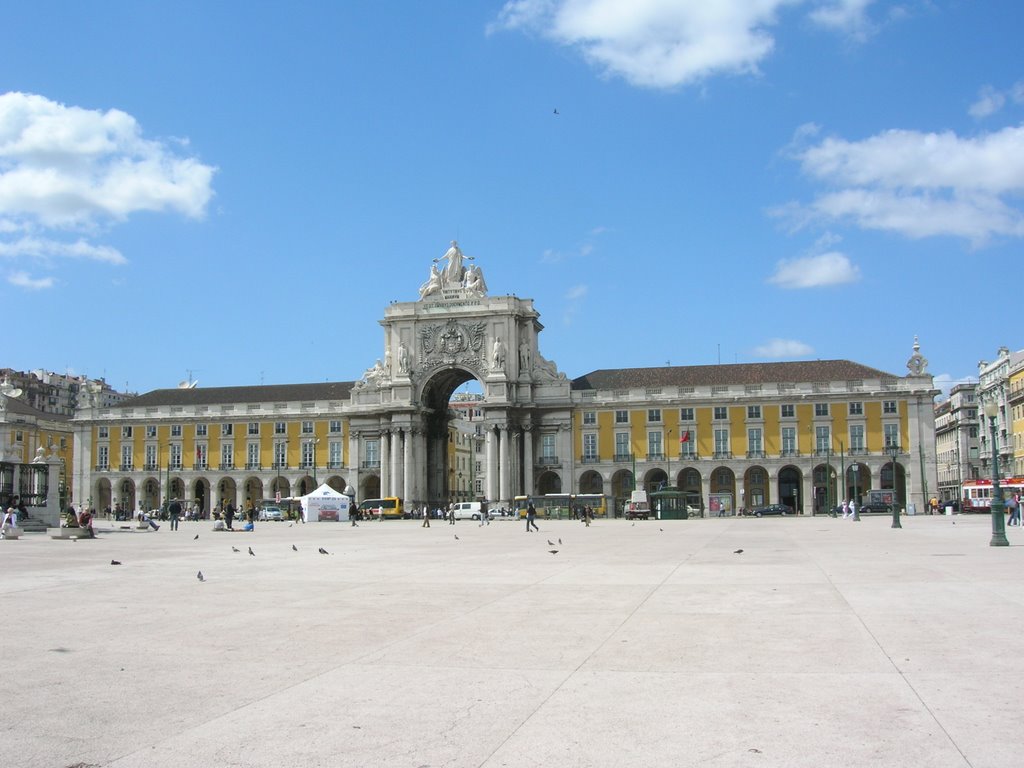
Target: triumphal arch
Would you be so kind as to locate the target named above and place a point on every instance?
(452, 333)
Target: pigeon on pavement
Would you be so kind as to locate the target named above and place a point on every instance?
(551, 543)
(738, 552)
(195, 537)
(323, 551)
(294, 548)
(251, 552)
(115, 562)
(235, 549)
(553, 551)
(200, 576)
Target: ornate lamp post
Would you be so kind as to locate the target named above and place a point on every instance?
(894, 451)
(315, 441)
(998, 523)
(856, 475)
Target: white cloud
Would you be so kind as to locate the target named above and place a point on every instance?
(576, 292)
(669, 43)
(67, 169)
(989, 102)
(831, 268)
(24, 280)
(919, 184)
(654, 43)
(782, 348)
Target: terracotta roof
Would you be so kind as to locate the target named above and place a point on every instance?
(271, 393)
(722, 375)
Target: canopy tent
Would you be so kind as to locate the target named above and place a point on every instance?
(324, 503)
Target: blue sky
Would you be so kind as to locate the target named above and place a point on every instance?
(239, 189)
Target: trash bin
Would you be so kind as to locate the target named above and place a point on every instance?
(949, 509)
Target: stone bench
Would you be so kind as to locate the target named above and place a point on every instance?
(70, 533)
(10, 532)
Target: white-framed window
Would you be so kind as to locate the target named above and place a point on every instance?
(254, 429)
(754, 443)
(821, 409)
(334, 427)
(252, 455)
(590, 446)
(721, 441)
(622, 417)
(856, 437)
(654, 414)
(175, 455)
(201, 430)
(892, 434)
(721, 413)
(280, 428)
(103, 433)
(655, 449)
(372, 452)
(753, 411)
(126, 431)
(856, 409)
(151, 457)
(334, 449)
(547, 446)
(479, 486)
(202, 456)
(151, 430)
(227, 430)
(126, 457)
(889, 406)
(787, 411)
(822, 438)
(227, 455)
(308, 449)
(686, 414)
(280, 454)
(307, 427)
(175, 430)
(103, 456)
(589, 418)
(789, 441)
(688, 447)
(622, 448)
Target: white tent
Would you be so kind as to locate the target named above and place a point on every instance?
(324, 503)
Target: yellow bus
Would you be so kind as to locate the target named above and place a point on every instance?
(389, 508)
(562, 504)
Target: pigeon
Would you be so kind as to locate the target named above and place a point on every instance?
(235, 549)
(456, 537)
(738, 552)
(556, 111)
(551, 543)
(559, 541)
(251, 552)
(195, 537)
(294, 548)
(115, 562)
(322, 551)
(553, 551)
(662, 530)
(200, 576)
(633, 525)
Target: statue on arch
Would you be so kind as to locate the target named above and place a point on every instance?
(403, 358)
(475, 280)
(433, 284)
(498, 355)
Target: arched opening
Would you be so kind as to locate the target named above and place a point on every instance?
(369, 487)
(722, 498)
(201, 496)
(898, 483)
(858, 480)
(690, 484)
(150, 493)
(105, 498)
(790, 479)
(281, 488)
(591, 482)
(252, 490)
(304, 486)
(755, 488)
(549, 482)
(622, 486)
(455, 437)
(126, 494)
(825, 488)
(337, 483)
(227, 493)
(655, 480)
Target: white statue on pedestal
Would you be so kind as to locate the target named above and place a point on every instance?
(475, 280)
(433, 284)
(453, 272)
(498, 355)
(403, 358)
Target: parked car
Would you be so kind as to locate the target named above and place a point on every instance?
(876, 507)
(269, 512)
(773, 509)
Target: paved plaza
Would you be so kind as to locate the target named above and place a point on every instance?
(823, 643)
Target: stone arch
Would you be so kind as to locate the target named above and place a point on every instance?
(723, 481)
(227, 492)
(690, 484)
(280, 485)
(125, 493)
(369, 487)
(824, 479)
(103, 494)
(200, 495)
(654, 479)
(252, 489)
(790, 487)
(150, 493)
(549, 482)
(858, 480)
(304, 485)
(622, 485)
(337, 483)
(897, 484)
(755, 487)
(434, 396)
(591, 482)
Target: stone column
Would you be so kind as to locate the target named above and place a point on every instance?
(528, 460)
(492, 466)
(396, 463)
(410, 469)
(705, 494)
(773, 490)
(385, 467)
(503, 466)
(807, 493)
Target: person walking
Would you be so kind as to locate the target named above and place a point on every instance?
(229, 515)
(531, 518)
(1013, 507)
(175, 509)
(426, 518)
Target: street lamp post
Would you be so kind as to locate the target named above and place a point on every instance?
(668, 459)
(315, 441)
(894, 451)
(998, 523)
(853, 503)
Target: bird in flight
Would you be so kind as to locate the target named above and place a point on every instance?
(115, 562)
(557, 112)
(200, 576)
(251, 552)
(323, 551)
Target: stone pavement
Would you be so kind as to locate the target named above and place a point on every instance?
(824, 643)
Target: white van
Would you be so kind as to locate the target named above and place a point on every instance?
(469, 510)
